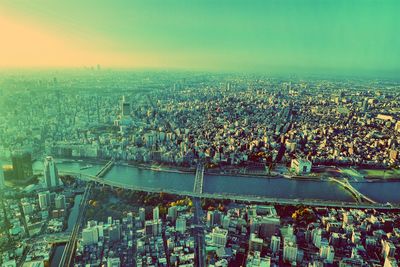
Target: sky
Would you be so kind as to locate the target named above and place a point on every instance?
(225, 35)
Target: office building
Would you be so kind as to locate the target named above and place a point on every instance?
(50, 173)
(156, 213)
(219, 236)
(27, 208)
(125, 107)
(327, 253)
(172, 213)
(60, 202)
(142, 215)
(22, 165)
(44, 200)
(275, 244)
(290, 252)
(90, 236)
(301, 166)
(180, 225)
(255, 243)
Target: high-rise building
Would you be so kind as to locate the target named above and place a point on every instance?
(172, 213)
(180, 225)
(50, 172)
(219, 236)
(27, 208)
(275, 243)
(327, 253)
(44, 200)
(156, 213)
(210, 218)
(60, 202)
(90, 236)
(142, 214)
(22, 164)
(255, 243)
(125, 107)
(114, 232)
(289, 252)
(269, 226)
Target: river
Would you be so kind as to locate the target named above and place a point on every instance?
(267, 187)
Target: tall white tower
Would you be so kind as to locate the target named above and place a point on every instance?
(50, 172)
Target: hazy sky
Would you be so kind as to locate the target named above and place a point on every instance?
(210, 35)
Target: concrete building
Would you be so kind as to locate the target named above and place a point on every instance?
(90, 236)
(275, 244)
(301, 166)
(60, 202)
(156, 214)
(219, 237)
(290, 252)
(44, 200)
(50, 173)
(22, 164)
(180, 225)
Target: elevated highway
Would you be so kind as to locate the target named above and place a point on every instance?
(69, 251)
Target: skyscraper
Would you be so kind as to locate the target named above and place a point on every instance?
(50, 172)
(44, 200)
(22, 164)
(125, 107)
(142, 215)
(180, 225)
(156, 213)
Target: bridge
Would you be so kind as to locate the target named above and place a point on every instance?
(357, 194)
(105, 169)
(69, 251)
(199, 179)
(57, 238)
(238, 197)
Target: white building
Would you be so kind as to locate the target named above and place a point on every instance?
(180, 225)
(50, 172)
(156, 213)
(275, 243)
(301, 166)
(44, 200)
(289, 252)
(90, 236)
(142, 214)
(219, 237)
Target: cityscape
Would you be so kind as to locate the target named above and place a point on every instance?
(155, 158)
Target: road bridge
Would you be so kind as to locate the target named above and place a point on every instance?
(238, 197)
(106, 168)
(357, 194)
(57, 238)
(199, 179)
